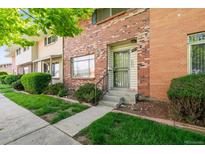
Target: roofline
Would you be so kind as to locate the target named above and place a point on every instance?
(6, 64)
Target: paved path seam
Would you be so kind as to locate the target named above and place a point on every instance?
(26, 134)
(20, 126)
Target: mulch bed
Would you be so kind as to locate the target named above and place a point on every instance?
(153, 109)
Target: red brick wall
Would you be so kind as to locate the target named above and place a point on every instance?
(168, 45)
(96, 38)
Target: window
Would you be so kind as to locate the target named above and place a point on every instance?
(50, 40)
(56, 70)
(25, 49)
(118, 10)
(197, 52)
(25, 70)
(83, 66)
(46, 68)
(18, 51)
(101, 14)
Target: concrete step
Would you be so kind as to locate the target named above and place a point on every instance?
(129, 96)
(112, 98)
(119, 89)
(121, 92)
(108, 103)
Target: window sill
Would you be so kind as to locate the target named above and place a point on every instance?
(81, 78)
(50, 44)
(110, 18)
(56, 78)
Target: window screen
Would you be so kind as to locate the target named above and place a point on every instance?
(197, 52)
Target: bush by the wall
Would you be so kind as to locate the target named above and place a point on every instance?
(63, 92)
(35, 82)
(187, 95)
(2, 77)
(3, 73)
(11, 78)
(53, 89)
(17, 85)
(86, 93)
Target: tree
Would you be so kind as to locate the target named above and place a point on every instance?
(17, 25)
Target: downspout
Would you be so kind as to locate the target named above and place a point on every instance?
(63, 61)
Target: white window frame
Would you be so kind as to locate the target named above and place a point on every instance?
(110, 14)
(25, 70)
(72, 66)
(25, 49)
(48, 67)
(54, 73)
(18, 51)
(189, 51)
(53, 40)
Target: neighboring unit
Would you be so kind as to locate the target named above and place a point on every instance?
(6, 68)
(44, 56)
(22, 58)
(50, 54)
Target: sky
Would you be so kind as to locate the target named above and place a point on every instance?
(3, 59)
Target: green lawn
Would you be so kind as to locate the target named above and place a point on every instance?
(49, 108)
(5, 88)
(117, 128)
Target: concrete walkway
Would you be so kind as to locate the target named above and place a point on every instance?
(20, 126)
(76, 123)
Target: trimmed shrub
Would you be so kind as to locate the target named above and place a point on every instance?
(11, 78)
(3, 73)
(86, 93)
(63, 92)
(17, 85)
(187, 95)
(53, 89)
(35, 82)
(2, 77)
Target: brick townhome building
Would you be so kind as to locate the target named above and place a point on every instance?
(123, 36)
(159, 44)
(141, 50)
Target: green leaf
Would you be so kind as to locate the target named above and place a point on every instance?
(16, 24)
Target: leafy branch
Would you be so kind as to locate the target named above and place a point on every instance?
(17, 24)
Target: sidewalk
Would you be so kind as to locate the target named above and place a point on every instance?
(79, 121)
(20, 126)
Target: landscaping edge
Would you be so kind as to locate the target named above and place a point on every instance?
(62, 98)
(168, 122)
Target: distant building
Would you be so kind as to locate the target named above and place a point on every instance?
(44, 56)
(6, 68)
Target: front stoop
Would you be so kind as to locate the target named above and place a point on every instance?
(113, 96)
(79, 121)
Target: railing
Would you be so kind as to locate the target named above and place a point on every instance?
(103, 85)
